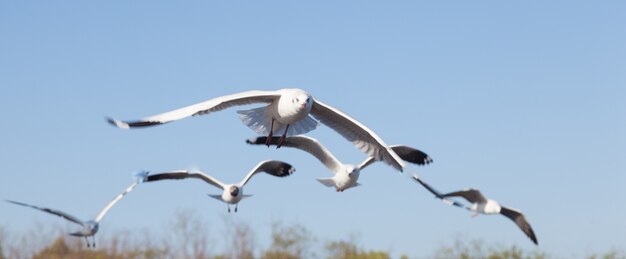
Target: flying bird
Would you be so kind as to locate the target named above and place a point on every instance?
(232, 193)
(89, 227)
(480, 204)
(289, 111)
(346, 175)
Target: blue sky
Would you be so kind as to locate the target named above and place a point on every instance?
(523, 100)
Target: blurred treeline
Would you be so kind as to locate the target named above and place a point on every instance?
(188, 238)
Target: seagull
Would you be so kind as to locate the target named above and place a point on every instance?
(346, 175)
(90, 227)
(288, 111)
(232, 193)
(483, 205)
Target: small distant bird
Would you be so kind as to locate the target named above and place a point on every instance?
(346, 175)
(483, 205)
(232, 193)
(90, 227)
(288, 111)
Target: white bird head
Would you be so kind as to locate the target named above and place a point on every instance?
(302, 100)
(353, 171)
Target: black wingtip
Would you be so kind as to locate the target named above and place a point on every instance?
(110, 120)
(252, 141)
(256, 140)
(281, 168)
(117, 123)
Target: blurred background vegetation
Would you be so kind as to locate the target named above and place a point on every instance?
(188, 237)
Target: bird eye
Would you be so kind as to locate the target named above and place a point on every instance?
(297, 100)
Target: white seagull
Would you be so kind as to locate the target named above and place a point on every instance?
(232, 193)
(90, 227)
(346, 175)
(288, 111)
(483, 205)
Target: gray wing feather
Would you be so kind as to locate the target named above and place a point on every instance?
(184, 174)
(437, 194)
(471, 195)
(521, 222)
(51, 211)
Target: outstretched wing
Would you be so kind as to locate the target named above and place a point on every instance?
(471, 195)
(51, 211)
(184, 174)
(407, 153)
(212, 105)
(438, 194)
(272, 167)
(115, 200)
(361, 136)
(306, 144)
(520, 220)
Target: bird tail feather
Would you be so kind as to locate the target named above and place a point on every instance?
(327, 181)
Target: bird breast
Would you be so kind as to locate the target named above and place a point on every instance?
(288, 112)
(344, 181)
(491, 207)
(228, 197)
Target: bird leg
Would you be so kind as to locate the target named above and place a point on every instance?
(94, 241)
(87, 241)
(282, 138)
(268, 141)
(236, 205)
(228, 208)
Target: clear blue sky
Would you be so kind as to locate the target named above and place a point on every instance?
(524, 100)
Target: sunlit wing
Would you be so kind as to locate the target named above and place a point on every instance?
(306, 144)
(212, 105)
(184, 174)
(360, 135)
(115, 200)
